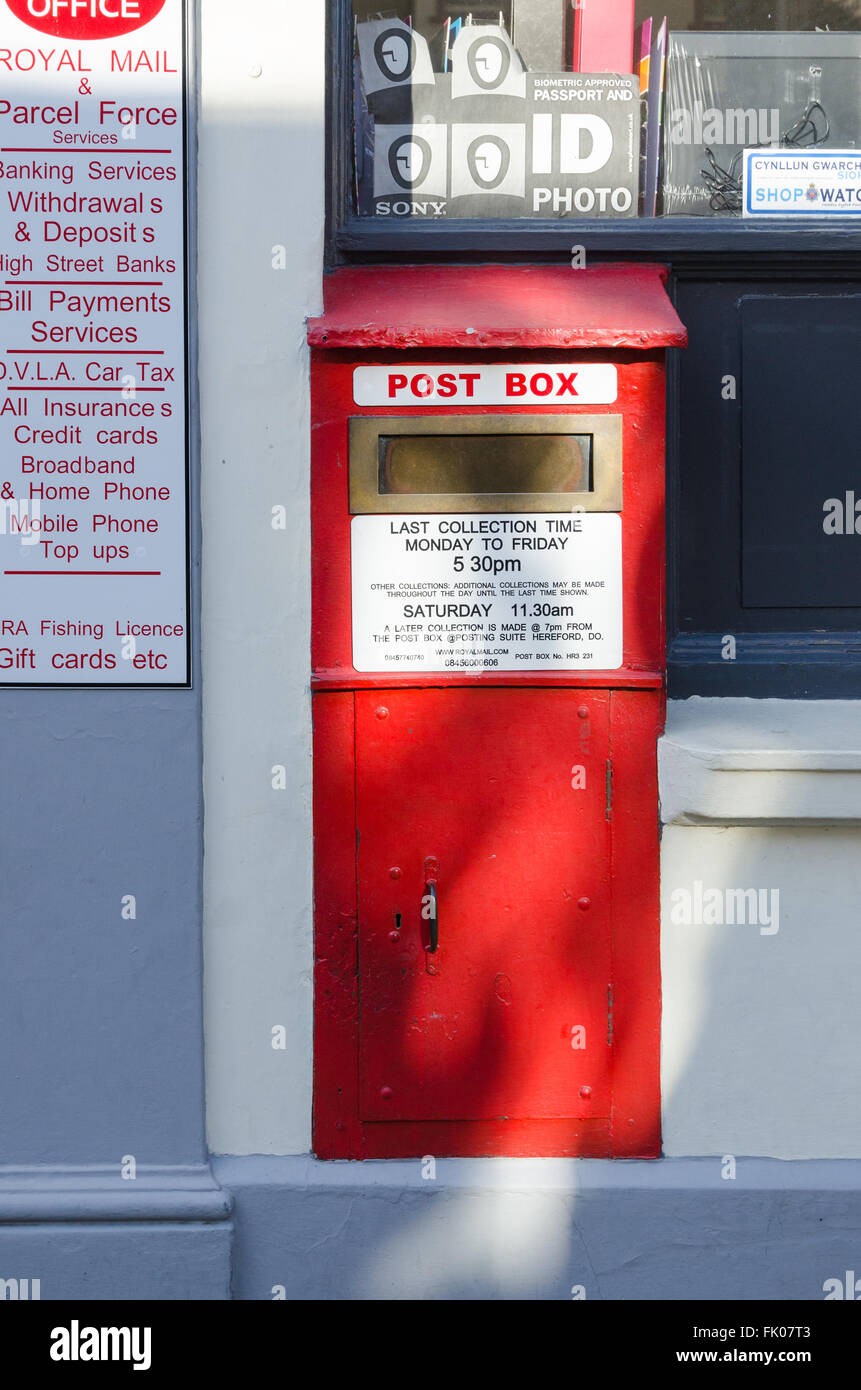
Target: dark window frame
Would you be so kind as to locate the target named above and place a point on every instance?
(793, 653)
(351, 238)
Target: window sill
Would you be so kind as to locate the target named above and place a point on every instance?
(774, 762)
(672, 236)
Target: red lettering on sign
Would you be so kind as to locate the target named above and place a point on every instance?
(515, 384)
(447, 385)
(542, 384)
(86, 19)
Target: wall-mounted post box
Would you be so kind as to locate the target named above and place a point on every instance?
(488, 677)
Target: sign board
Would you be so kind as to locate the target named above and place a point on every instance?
(93, 518)
(521, 592)
(802, 183)
(487, 383)
(490, 139)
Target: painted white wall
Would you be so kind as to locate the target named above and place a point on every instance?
(762, 1034)
(261, 185)
(761, 1038)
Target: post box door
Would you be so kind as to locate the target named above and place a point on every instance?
(501, 797)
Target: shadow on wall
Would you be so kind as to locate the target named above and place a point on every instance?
(753, 1067)
(749, 1065)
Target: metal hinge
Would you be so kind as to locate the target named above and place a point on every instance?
(608, 788)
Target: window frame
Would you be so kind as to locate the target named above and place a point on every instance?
(350, 238)
(813, 659)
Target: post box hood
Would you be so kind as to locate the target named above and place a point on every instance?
(487, 307)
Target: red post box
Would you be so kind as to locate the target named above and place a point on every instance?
(488, 683)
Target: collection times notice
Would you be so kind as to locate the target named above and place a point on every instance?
(93, 523)
(530, 592)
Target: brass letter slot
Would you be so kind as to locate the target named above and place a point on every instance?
(486, 463)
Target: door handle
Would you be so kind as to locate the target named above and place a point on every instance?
(433, 919)
(430, 904)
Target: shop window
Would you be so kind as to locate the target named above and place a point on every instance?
(601, 110)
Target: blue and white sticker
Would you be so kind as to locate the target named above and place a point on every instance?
(802, 183)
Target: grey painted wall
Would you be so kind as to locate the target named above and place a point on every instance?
(101, 1027)
(100, 1018)
(537, 1229)
(262, 157)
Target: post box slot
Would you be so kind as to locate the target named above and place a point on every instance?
(461, 464)
(502, 463)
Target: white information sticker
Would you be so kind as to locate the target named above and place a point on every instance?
(802, 183)
(520, 592)
(487, 383)
(93, 524)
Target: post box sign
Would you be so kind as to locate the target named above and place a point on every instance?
(93, 347)
(488, 383)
